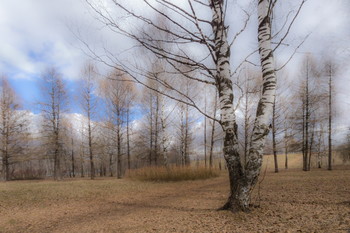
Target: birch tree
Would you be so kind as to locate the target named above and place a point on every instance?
(164, 135)
(191, 31)
(157, 112)
(184, 135)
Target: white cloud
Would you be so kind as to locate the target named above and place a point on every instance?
(34, 34)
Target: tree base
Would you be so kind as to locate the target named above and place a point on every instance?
(235, 207)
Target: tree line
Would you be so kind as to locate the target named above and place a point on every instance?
(124, 126)
(120, 127)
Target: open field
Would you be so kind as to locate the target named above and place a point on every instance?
(291, 201)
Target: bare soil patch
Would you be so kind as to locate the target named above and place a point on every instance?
(291, 201)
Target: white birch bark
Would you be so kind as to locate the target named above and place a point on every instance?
(164, 136)
(228, 118)
(242, 180)
(265, 106)
(223, 81)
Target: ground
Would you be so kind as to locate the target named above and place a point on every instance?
(290, 201)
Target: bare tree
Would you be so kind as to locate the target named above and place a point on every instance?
(12, 128)
(82, 150)
(165, 140)
(89, 105)
(70, 145)
(212, 133)
(156, 121)
(205, 132)
(119, 92)
(107, 133)
(184, 134)
(274, 132)
(53, 108)
(281, 122)
(346, 148)
(288, 131)
(312, 112)
(330, 70)
(250, 92)
(309, 98)
(212, 67)
(146, 132)
(186, 120)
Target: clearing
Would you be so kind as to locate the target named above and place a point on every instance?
(291, 201)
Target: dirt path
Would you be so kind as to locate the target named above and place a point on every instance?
(294, 201)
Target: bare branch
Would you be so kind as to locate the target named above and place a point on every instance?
(294, 52)
(243, 28)
(290, 25)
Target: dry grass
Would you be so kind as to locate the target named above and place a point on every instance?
(290, 201)
(295, 161)
(162, 174)
(44, 192)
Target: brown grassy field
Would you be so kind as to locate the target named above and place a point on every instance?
(290, 201)
(162, 174)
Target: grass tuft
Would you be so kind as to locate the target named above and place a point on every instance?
(162, 174)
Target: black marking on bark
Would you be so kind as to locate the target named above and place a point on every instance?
(266, 20)
(267, 73)
(224, 62)
(268, 56)
(231, 97)
(259, 110)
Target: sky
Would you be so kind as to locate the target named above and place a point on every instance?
(36, 34)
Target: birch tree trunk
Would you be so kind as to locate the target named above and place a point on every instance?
(164, 137)
(246, 126)
(265, 105)
(243, 179)
(239, 195)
